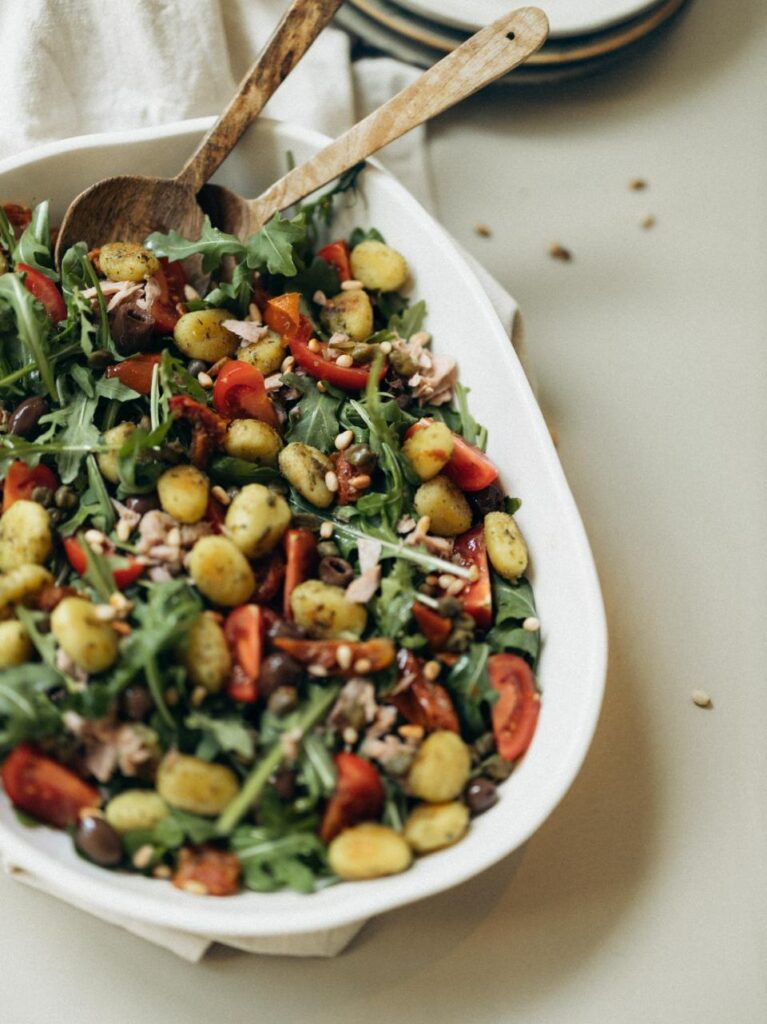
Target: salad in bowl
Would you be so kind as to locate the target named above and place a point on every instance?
(264, 614)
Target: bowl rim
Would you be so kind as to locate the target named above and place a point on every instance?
(211, 917)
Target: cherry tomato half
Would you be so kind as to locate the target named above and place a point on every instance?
(358, 796)
(21, 480)
(349, 378)
(45, 291)
(515, 713)
(244, 632)
(171, 279)
(476, 597)
(436, 628)
(337, 255)
(240, 391)
(46, 789)
(136, 372)
(123, 575)
(282, 313)
(378, 651)
(300, 553)
(468, 468)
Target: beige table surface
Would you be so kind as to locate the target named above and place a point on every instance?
(643, 898)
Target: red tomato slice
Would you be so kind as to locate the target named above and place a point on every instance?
(269, 577)
(45, 291)
(164, 310)
(359, 796)
(218, 870)
(282, 313)
(477, 597)
(22, 479)
(436, 628)
(468, 468)
(349, 378)
(136, 372)
(337, 255)
(240, 392)
(46, 789)
(19, 217)
(378, 652)
(515, 713)
(122, 576)
(301, 552)
(244, 632)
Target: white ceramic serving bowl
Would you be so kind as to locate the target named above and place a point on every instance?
(572, 666)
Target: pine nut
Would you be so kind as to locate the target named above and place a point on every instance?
(326, 530)
(702, 699)
(359, 483)
(385, 347)
(351, 285)
(345, 360)
(199, 693)
(432, 580)
(350, 735)
(105, 612)
(142, 856)
(320, 298)
(254, 313)
(445, 580)
(318, 671)
(94, 537)
(531, 624)
(431, 670)
(123, 530)
(205, 379)
(344, 439)
(344, 656)
(331, 481)
(474, 573)
(362, 666)
(220, 495)
(423, 524)
(161, 871)
(287, 364)
(314, 345)
(321, 387)
(411, 732)
(456, 587)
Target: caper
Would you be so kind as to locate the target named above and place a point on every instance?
(64, 497)
(283, 700)
(449, 607)
(196, 366)
(360, 456)
(42, 495)
(327, 549)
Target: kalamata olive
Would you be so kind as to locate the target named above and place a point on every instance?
(131, 328)
(278, 670)
(136, 702)
(282, 627)
(26, 415)
(197, 366)
(42, 495)
(64, 497)
(360, 456)
(480, 796)
(100, 358)
(335, 571)
(283, 700)
(284, 782)
(142, 503)
(98, 841)
(489, 499)
(327, 549)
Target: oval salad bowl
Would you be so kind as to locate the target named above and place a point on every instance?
(572, 665)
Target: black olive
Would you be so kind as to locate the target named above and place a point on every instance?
(42, 495)
(284, 782)
(283, 700)
(142, 503)
(26, 415)
(64, 497)
(100, 358)
(279, 669)
(136, 702)
(480, 796)
(336, 571)
(197, 366)
(98, 841)
(489, 499)
(131, 328)
(449, 607)
(361, 457)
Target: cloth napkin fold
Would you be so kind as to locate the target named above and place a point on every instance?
(74, 67)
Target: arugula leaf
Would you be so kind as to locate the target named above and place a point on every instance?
(271, 862)
(115, 391)
(213, 245)
(469, 685)
(34, 246)
(138, 465)
(393, 608)
(409, 321)
(272, 246)
(315, 418)
(79, 437)
(513, 604)
(228, 734)
(470, 429)
(169, 834)
(360, 235)
(26, 712)
(7, 234)
(32, 324)
(318, 276)
(226, 469)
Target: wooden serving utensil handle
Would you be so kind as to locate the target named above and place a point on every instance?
(490, 53)
(299, 27)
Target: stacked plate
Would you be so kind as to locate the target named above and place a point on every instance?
(585, 34)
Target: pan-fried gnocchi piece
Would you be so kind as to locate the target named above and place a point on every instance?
(324, 612)
(506, 546)
(378, 266)
(266, 354)
(433, 826)
(428, 450)
(207, 656)
(446, 506)
(257, 519)
(194, 785)
(127, 261)
(15, 645)
(22, 585)
(368, 851)
(183, 492)
(109, 462)
(221, 571)
(349, 313)
(441, 768)
(306, 468)
(253, 441)
(89, 642)
(25, 535)
(135, 809)
(202, 335)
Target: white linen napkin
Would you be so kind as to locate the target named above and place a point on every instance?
(74, 67)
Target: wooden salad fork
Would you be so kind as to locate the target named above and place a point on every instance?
(486, 56)
(129, 207)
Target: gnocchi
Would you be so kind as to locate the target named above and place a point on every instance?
(506, 546)
(184, 492)
(194, 785)
(257, 519)
(22, 585)
(378, 266)
(324, 612)
(127, 261)
(307, 469)
(431, 827)
(25, 535)
(135, 809)
(266, 354)
(368, 851)
(429, 449)
(207, 656)
(221, 571)
(202, 335)
(446, 506)
(109, 462)
(253, 441)
(349, 313)
(441, 768)
(15, 645)
(89, 642)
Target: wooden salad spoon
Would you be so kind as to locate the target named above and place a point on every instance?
(490, 53)
(129, 207)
